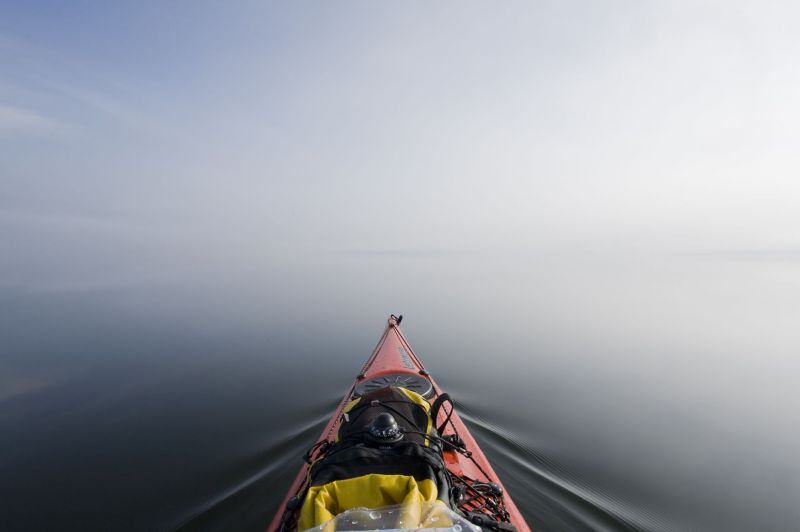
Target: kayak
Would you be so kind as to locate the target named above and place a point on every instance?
(395, 449)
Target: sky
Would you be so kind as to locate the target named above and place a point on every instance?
(151, 141)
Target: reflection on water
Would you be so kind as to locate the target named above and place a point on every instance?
(611, 391)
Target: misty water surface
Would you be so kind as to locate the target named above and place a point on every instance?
(611, 390)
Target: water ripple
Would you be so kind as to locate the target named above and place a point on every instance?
(552, 497)
(272, 465)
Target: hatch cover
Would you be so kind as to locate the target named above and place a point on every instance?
(410, 381)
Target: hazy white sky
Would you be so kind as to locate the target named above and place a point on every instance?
(141, 140)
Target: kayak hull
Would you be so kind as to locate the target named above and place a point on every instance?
(393, 358)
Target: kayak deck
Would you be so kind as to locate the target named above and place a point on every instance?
(394, 362)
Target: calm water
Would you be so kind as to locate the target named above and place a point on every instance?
(612, 390)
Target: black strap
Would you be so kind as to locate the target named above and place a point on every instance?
(361, 407)
(436, 406)
(321, 447)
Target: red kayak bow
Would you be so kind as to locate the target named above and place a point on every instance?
(393, 363)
